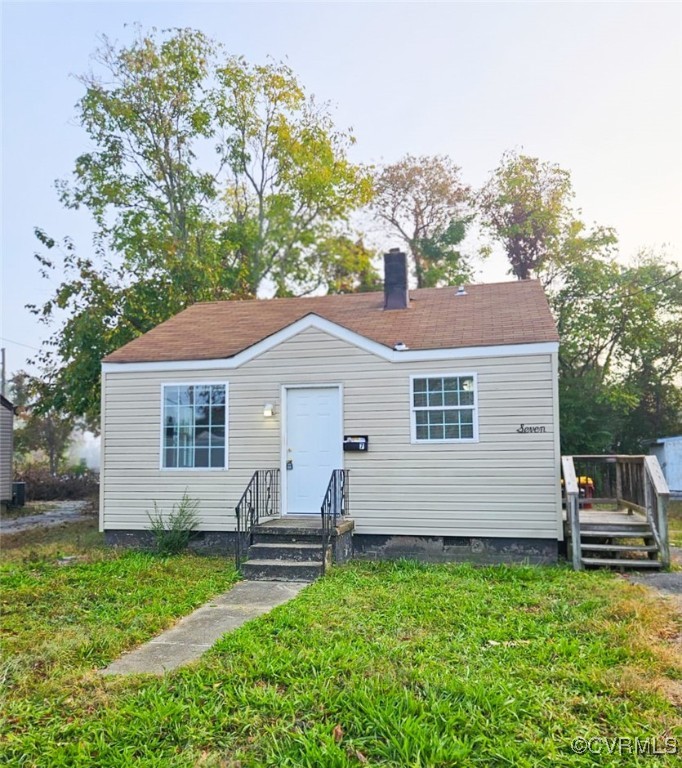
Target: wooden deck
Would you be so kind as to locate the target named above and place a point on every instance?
(615, 511)
(608, 517)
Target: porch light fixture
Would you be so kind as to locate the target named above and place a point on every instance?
(268, 410)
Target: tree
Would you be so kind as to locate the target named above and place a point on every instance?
(347, 266)
(49, 431)
(209, 178)
(425, 202)
(526, 205)
(621, 352)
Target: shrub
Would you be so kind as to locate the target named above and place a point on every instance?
(42, 486)
(172, 534)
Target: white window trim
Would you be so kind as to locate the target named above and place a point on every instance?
(161, 424)
(413, 410)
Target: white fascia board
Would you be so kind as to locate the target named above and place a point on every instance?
(322, 324)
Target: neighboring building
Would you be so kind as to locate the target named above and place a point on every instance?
(456, 391)
(6, 450)
(668, 451)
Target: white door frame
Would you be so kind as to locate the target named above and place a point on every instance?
(284, 501)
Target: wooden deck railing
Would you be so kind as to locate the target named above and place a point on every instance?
(635, 483)
(572, 496)
(656, 496)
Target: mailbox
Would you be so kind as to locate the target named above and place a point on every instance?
(356, 443)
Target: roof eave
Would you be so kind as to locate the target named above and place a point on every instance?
(312, 320)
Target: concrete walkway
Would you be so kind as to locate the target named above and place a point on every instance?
(196, 633)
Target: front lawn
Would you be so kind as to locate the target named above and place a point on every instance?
(69, 605)
(388, 664)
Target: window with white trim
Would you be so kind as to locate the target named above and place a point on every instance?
(194, 426)
(444, 408)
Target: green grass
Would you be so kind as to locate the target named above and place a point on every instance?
(387, 665)
(66, 538)
(62, 619)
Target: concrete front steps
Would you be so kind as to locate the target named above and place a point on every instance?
(290, 549)
(625, 544)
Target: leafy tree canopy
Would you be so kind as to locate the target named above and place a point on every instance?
(49, 430)
(424, 201)
(208, 178)
(620, 324)
(527, 206)
(621, 352)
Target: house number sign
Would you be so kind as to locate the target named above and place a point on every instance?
(528, 428)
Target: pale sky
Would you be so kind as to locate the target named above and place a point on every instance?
(594, 87)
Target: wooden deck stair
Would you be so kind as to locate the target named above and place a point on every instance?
(615, 511)
(617, 539)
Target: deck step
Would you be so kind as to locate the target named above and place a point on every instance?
(618, 548)
(281, 550)
(620, 562)
(621, 533)
(281, 570)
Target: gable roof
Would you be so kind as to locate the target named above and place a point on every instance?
(6, 403)
(489, 314)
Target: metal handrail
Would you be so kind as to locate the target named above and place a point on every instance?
(259, 500)
(334, 506)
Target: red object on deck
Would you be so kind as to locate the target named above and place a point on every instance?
(586, 486)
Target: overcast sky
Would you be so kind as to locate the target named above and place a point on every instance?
(595, 87)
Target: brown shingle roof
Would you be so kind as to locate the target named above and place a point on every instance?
(490, 314)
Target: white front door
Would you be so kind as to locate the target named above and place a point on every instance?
(313, 446)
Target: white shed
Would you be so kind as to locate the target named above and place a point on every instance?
(437, 407)
(668, 451)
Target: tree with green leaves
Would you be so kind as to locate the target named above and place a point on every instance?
(208, 178)
(621, 352)
(619, 324)
(424, 202)
(39, 429)
(347, 266)
(526, 205)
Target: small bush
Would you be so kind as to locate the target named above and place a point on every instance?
(172, 534)
(76, 483)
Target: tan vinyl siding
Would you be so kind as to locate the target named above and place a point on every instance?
(6, 444)
(503, 485)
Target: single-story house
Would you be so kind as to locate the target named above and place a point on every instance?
(668, 451)
(442, 404)
(6, 450)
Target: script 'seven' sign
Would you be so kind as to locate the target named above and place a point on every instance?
(527, 428)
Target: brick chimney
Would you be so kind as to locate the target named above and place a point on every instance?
(396, 295)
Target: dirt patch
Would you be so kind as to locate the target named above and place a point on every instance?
(48, 514)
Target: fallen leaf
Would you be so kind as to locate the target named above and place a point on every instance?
(337, 733)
